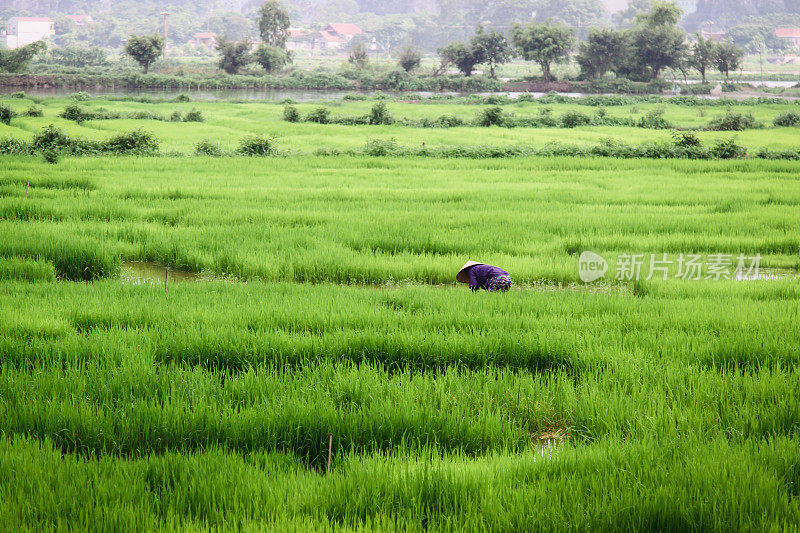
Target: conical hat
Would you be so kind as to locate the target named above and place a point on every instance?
(463, 275)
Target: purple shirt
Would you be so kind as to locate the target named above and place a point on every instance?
(480, 274)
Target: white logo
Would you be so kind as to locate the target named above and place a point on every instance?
(591, 267)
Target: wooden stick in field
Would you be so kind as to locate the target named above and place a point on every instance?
(330, 447)
(166, 273)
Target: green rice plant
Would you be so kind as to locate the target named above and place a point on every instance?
(17, 269)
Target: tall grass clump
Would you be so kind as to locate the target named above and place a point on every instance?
(136, 142)
(209, 148)
(290, 113)
(733, 121)
(787, 119)
(6, 114)
(19, 269)
(194, 115)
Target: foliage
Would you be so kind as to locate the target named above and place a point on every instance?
(572, 119)
(491, 116)
(273, 24)
(144, 49)
(601, 50)
(291, 114)
(208, 148)
(79, 56)
(728, 58)
(380, 147)
(703, 54)
(733, 121)
(6, 114)
(321, 115)
(410, 58)
(136, 142)
(379, 114)
(544, 44)
(656, 42)
(460, 55)
(17, 60)
(194, 115)
(490, 48)
(272, 58)
(33, 111)
(358, 55)
(787, 119)
(255, 146)
(234, 56)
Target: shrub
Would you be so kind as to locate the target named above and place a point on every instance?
(138, 142)
(176, 116)
(491, 116)
(51, 138)
(257, 146)
(571, 119)
(11, 146)
(76, 113)
(321, 115)
(195, 115)
(733, 121)
(728, 149)
(685, 139)
(787, 119)
(209, 148)
(654, 120)
(448, 121)
(380, 147)
(80, 96)
(50, 156)
(18, 94)
(291, 114)
(6, 114)
(183, 98)
(33, 111)
(379, 114)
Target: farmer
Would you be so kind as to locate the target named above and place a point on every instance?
(481, 276)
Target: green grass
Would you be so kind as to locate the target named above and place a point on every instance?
(327, 308)
(227, 122)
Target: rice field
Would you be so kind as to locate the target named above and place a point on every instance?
(311, 309)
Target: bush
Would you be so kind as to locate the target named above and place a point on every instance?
(320, 115)
(6, 114)
(18, 94)
(51, 138)
(733, 121)
(380, 147)
(76, 113)
(195, 115)
(379, 114)
(787, 119)
(209, 148)
(11, 146)
(183, 98)
(33, 111)
(571, 119)
(80, 96)
(176, 116)
(50, 156)
(291, 114)
(491, 116)
(685, 139)
(448, 121)
(728, 149)
(654, 120)
(136, 142)
(257, 146)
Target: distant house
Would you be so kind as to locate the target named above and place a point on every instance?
(26, 30)
(208, 39)
(712, 35)
(80, 20)
(335, 36)
(792, 35)
(299, 39)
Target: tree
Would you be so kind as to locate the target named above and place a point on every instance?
(271, 58)
(703, 54)
(729, 57)
(460, 55)
(17, 60)
(145, 49)
(358, 55)
(600, 51)
(79, 56)
(626, 17)
(234, 56)
(492, 47)
(545, 44)
(231, 24)
(410, 58)
(580, 14)
(656, 41)
(273, 23)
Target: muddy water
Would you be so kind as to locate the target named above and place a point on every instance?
(142, 272)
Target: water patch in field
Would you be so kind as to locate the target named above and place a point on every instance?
(768, 274)
(145, 272)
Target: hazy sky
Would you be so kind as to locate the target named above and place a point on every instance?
(615, 5)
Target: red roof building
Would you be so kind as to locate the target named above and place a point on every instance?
(26, 30)
(790, 34)
(80, 20)
(344, 30)
(204, 38)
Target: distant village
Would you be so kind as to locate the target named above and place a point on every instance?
(332, 38)
(22, 31)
